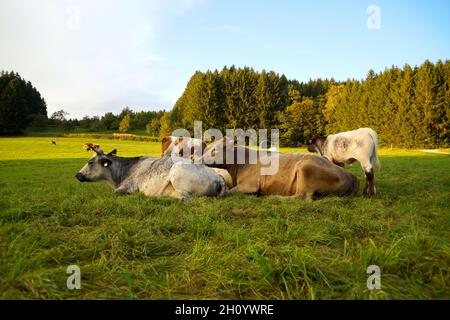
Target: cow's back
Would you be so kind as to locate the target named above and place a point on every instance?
(153, 176)
(319, 176)
(301, 174)
(196, 179)
(284, 181)
(356, 144)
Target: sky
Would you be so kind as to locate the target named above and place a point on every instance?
(92, 57)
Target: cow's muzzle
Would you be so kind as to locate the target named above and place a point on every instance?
(81, 177)
(353, 191)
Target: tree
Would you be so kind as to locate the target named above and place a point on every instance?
(298, 123)
(125, 124)
(110, 121)
(59, 115)
(293, 94)
(166, 127)
(13, 109)
(154, 127)
(20, 103)
(39, 121)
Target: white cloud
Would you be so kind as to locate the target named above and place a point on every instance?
(109, 60)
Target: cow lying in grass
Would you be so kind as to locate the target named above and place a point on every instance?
(165, 176)
(298, 175)
(347, 147)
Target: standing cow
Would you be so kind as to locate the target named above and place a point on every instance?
(347, 147)
(170, 176)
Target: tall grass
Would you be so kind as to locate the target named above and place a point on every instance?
(237, 247)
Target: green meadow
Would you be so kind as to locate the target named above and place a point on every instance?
(236, 247)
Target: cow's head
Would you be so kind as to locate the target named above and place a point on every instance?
(353, 185)
(316, 144)
(98, 168)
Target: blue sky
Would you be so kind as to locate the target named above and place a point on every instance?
(90, 57)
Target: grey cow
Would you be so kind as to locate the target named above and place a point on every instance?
(167, 176)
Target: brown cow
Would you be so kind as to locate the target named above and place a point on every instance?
(91, 146)
(298, 175)
(176, 145)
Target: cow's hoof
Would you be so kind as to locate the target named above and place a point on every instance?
(307, 196)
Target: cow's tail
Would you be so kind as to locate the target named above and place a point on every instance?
(374, 158)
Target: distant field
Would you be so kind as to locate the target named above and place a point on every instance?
(237, 247)
(41, 148)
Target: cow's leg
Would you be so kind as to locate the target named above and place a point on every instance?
(245, 188)
(307, 180)
(168, 189)
(249, 183)
(308, 196)
(370, 185)
(121, 191)
(233, 190)
(369, 189)
(126, 187)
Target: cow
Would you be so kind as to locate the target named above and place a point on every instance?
(299, 175)
(167, 176)
(178, 145)
(175, 145)
(347, 147)
(91, 146)
(53, 143)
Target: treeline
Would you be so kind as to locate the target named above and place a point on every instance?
(22, 107)
(125, 121)
(408, 107)
(240, 98)
(20, 103)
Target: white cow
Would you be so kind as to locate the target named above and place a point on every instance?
(347, 147)
(182, 146)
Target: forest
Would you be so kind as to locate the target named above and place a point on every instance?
(409, 107)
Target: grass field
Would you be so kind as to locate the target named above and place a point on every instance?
(237, 247)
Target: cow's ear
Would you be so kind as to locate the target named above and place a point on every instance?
(105, 162)
(112, 153)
